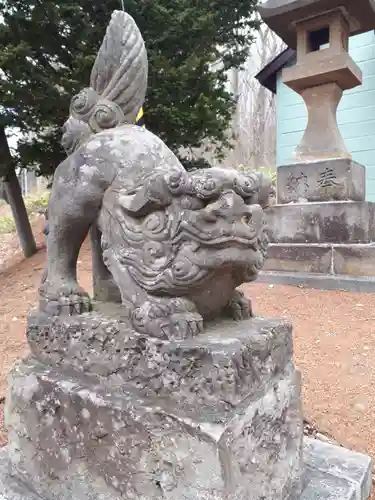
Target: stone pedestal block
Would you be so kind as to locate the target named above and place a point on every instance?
(325, 222)
(339, 179)
(327, 245)
(122, 415)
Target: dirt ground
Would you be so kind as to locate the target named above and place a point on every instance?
(334, 338)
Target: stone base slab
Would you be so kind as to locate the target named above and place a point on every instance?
(339, 179)
(345, 260)
(330, 473)
(216, 417)
(323, 222)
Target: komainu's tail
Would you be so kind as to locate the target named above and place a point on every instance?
(118, 80)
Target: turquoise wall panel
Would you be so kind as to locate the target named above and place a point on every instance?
(355, 116)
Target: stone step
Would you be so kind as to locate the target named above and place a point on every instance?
(322, 222)
(332, 259)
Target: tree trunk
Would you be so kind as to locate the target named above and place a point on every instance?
(3, 195)
(14, 197)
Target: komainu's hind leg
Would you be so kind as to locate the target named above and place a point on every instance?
(240, 306)
(104, 286)
(74, 206)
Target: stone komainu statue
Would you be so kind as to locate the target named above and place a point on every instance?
(171, 245)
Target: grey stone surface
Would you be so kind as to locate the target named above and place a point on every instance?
(10, 488)
(305, 258)
(174, 245)
(334, 473)
(216, 417)
(354, 260)
(332, 239)
(327, 180)
(330, 473)
(322, 486)
(321, 222)
(319, 281)
(213, 367)
(346, 260)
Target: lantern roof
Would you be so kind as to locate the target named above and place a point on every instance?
(281, 15)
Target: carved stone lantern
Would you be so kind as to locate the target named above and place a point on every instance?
(319, 30)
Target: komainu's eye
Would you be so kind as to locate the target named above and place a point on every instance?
(191, 203)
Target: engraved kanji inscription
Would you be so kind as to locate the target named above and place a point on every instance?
(297, 183)
(327, 178)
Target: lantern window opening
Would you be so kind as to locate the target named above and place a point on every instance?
(318, 39)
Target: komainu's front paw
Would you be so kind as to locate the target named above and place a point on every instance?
(176, 319)
(240, 306)
(64, 298)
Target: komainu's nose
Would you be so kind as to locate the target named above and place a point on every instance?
(230, 206)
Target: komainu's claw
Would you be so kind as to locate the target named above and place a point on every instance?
(240, 306)
(176, 320)
(68, 299)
